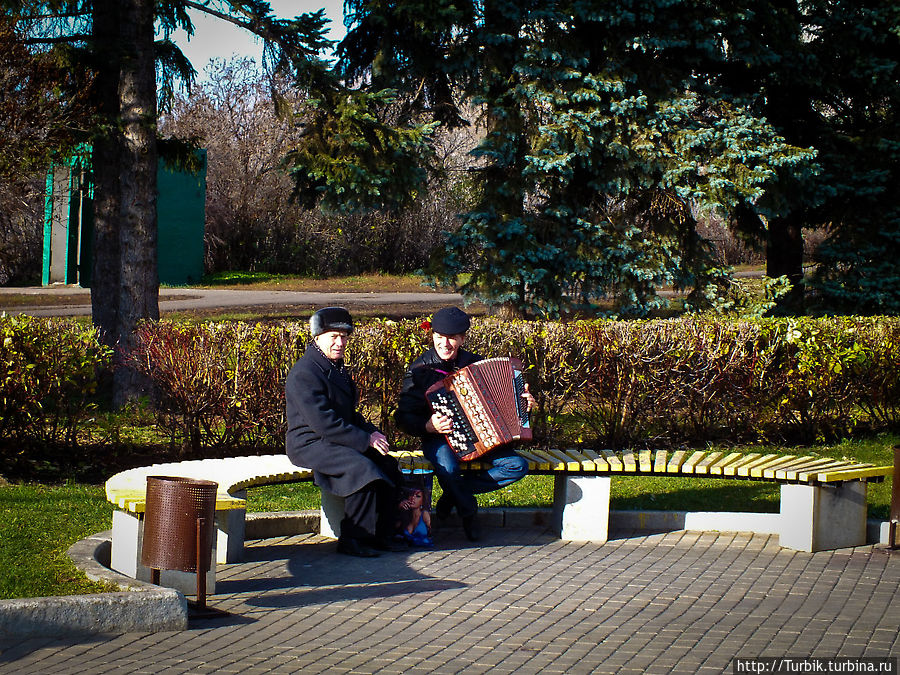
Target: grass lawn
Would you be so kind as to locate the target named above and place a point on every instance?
(38, 523)
(360, 283)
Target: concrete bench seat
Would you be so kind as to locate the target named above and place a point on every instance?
(823, 500)
(127, 490)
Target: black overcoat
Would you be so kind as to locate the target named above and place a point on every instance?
(325, 432)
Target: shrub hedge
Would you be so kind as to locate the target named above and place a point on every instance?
(48, 381)
(601, 383)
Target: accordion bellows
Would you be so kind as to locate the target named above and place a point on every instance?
(485, 402)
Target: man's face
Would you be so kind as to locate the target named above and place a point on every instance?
(333, 343)
(447, 346)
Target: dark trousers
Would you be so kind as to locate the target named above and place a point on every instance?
(371, 512)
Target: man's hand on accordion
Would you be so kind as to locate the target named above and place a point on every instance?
(528, 398)
(439, 424)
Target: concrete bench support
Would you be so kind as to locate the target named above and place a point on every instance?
(813, 517)
(823, 517)
(331, 514)
(581, 507)
(125, 557)
(231, 527)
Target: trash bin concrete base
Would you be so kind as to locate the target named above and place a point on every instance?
(125, 557)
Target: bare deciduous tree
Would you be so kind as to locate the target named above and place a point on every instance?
(253, 224)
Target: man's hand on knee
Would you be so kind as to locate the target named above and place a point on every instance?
(379, 441)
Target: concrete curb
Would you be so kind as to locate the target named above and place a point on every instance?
(145, 608)
(138, 607)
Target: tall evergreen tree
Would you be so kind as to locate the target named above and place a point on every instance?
(826, 75)
(116, 40)
(605, 131)
(609, 125)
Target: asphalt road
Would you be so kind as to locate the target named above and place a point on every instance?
(193, 299)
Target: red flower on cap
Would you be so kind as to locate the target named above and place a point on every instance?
(425, 325)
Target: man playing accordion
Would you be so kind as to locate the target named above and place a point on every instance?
(416, 417)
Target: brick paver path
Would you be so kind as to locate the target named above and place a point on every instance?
(522, 602)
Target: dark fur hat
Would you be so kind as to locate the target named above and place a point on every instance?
(450, 321)
(329, 319)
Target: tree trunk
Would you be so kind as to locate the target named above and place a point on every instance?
(125, 284)
(784, 257)
(105, 163)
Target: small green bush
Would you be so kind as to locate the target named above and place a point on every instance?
(48, 381)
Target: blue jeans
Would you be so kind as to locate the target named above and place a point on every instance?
(507, 467)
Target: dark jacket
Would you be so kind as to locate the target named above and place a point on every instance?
(325, 432)
(413, 409)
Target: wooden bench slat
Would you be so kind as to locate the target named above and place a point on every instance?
(600, 463)
(703, 465)
(807, 462)
(810, 474)
(745, 469)
(537, 462)
(855, 474)
(800, 463)
(690, 462)
(615, 464)
(568, 464)
(718, 467)
(556, 462)
(644, 461)
(629, 462)
(732, 469)
(585, 462)
(804, 473)
(552, 461)
(775, 462)
(675, 462)
(659, 461)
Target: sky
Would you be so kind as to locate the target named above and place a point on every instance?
(214, 38)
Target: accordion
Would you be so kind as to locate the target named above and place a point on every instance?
(485, 402)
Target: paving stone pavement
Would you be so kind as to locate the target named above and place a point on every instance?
(522, 601)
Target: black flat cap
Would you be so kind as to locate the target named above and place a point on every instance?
(450, 321)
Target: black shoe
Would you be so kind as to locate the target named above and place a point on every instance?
(443, 508)
(355, 548)
(471, 528)
(389, 544)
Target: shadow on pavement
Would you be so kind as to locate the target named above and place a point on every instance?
(313, 573)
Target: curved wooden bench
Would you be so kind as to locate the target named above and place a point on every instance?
(823, 500)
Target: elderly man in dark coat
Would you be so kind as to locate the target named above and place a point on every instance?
(325, 433)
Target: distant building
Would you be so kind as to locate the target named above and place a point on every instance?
(69, 223)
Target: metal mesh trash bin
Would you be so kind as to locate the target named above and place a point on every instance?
(179, 524)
